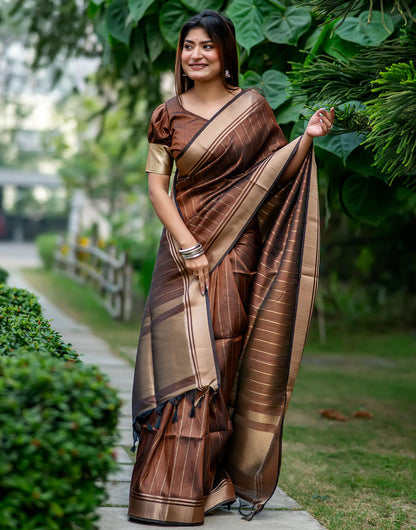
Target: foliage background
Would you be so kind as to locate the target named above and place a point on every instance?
(300, 56)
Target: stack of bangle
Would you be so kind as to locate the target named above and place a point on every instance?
(192, 252)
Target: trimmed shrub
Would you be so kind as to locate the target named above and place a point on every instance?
(19, 329)
(3, 275)
(46, 245)
(57, 430)
(23, 300)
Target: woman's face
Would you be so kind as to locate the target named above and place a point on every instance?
(200, 57)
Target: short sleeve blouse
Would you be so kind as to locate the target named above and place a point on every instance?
(159, 158)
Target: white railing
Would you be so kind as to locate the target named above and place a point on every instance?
(109, 274)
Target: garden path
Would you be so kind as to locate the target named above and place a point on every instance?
(281, 512)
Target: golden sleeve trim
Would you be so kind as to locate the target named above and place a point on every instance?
(159, 159)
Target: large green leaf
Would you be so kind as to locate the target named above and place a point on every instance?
(116, 16)
(367, 198)
(289, 111)
(360, 31)
(138, 8)
(250, 80)
(97, 2)
(340, 48)
(273, 85)
(172, 17)
(286, 27)
(248, 16)
(200, 5)
(154, 39)
(341, 145)
(138, 48)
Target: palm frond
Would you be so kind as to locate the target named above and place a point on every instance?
(392, 114)
(340, 8)
(334, 81)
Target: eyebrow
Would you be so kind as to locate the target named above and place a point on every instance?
(202, 42)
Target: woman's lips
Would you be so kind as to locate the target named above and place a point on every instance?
(197, 66)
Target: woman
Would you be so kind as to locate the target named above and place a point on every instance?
(232, 290)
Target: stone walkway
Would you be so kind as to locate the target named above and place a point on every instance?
(282, 512)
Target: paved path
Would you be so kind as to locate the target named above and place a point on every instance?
(282, 512)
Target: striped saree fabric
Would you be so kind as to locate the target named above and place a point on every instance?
(221, 367)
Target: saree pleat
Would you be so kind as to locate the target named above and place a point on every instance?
(238, 349)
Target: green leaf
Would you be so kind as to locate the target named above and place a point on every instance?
(289, 112)
(287, 27)
(248, 16)
(341, 145)
(116, 17)
(138, 8)
(97, 2)
(172, 17)
(200, 5)
(138, 50)
(367, 198)
(250, 79)
(358, 30)
(340, 48)
(154, 39)
(93, 9)
(275, 86)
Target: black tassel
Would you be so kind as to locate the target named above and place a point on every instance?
(159, 410)
(192, 413)
(136, 438)
(175, 403)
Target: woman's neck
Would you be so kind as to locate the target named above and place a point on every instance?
(211, 92)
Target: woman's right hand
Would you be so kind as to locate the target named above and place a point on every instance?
(199, 268)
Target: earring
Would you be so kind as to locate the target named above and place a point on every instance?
(227, 74)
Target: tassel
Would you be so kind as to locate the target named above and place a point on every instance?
(136, 438)
(255, 509)
(192, 413)
(159, 410)
(175, 403)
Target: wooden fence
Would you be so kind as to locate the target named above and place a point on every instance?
(108, 273)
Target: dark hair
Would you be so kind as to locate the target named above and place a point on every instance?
(222, 32)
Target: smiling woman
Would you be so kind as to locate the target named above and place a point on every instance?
(232, 289)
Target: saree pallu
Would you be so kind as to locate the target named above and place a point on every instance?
(226, 187)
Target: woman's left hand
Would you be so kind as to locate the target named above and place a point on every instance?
(320, 123)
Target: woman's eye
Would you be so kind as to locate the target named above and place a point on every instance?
(187, 47)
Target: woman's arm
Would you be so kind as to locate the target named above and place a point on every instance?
(319, 125)
(168, 213)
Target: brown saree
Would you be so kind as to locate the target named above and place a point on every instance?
(236, 350)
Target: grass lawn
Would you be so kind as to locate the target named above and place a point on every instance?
(355, 474)
(80, 302)
(359, 473)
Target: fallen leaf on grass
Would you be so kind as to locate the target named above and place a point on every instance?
(332, 414)
(363, 414)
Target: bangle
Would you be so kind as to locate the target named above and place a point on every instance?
(194, 247)
(192, 252)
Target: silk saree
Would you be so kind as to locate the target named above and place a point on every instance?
(214, 373)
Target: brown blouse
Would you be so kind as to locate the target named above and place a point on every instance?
(172, 127)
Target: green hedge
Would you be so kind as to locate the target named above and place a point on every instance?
(46, 244)
(58, 424)
(3, 275)
(23, 326)
(57, 430)
(21, 299)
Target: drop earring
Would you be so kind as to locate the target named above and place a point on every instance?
(227, 74)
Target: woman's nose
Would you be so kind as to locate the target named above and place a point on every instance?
(196, 51)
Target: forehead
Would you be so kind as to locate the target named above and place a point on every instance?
(197, 35)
